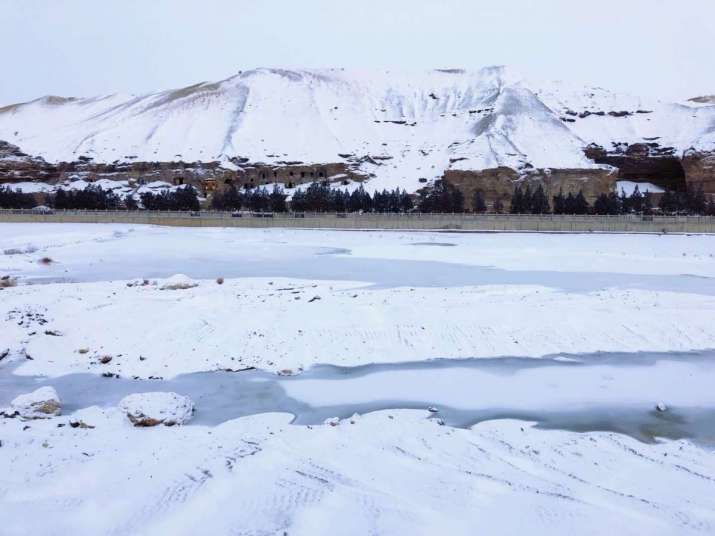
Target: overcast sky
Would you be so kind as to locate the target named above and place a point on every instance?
(86, 47)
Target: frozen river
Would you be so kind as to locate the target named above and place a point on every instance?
(334, 264)
(573, 376)
(617, 392)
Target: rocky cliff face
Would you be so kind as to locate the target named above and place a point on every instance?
(699, 169)
(16, 166)
(18, 169)
(498, 184)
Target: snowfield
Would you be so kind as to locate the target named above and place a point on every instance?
(388, 473)
(143, 304)
(292, 324)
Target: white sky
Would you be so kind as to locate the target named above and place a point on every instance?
(663, 48)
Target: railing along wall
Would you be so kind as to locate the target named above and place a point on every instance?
(383, 221)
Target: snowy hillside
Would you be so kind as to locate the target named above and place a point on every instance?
(426, 122)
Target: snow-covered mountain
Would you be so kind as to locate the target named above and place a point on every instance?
(424, 122)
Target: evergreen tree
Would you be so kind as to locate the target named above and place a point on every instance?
(183, 198)
(580, 204)
(298, 201)
(668, 202)
(478, 204)
(635, 201)
(60, 200)
(615, 206)
(232, 198)
(443, 197)
(697, 203)
(10, 198)
(498, 206)
(406, 204)
(647, 203)
(601, 205)
(456, 203)
(340, 199)
(527, 199)
(623, 203)
(539, 201)
(560, 205)
(517, 201)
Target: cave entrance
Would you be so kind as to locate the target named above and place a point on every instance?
(668, 173)
(664, 171)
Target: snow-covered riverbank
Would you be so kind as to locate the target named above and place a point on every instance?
(392, 472)
(279, 324)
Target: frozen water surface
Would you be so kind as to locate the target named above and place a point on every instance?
(337, 264)
(617, 392)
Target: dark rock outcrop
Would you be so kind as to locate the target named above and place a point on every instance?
(647, 162)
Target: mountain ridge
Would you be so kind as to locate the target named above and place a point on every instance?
(421, 124)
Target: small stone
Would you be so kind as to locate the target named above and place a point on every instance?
(333, 421)
(105, 359)
(80, 424)
(660, 406)
(432, 409)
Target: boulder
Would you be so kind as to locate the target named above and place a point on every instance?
(178, 282)
(152, 409)
(40, 404)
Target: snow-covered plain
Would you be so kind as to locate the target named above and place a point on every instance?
(294, 299)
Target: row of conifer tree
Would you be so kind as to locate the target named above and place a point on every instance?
(320, 197)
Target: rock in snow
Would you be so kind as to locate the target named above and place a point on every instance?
(152, 409)
(40, 404)
(660, 406)
(178, 282)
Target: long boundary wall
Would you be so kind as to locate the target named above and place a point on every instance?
(439, 222)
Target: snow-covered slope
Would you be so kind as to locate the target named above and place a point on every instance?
(426, 121)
